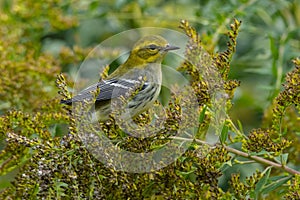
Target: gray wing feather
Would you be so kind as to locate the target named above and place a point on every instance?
(109, 89)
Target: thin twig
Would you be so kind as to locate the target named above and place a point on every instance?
(246, 155)
(262, 160)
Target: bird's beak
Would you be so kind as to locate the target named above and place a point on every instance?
(169, 48)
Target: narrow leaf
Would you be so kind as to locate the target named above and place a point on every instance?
(224, 134)
(275, 185)
(261, 183)
(202, 114)
(240, 126)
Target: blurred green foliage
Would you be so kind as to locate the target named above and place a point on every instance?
(38, 39)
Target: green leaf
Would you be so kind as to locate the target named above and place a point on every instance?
(262, 152)
(202, 114)
(282, 159)
(224, 133)
(190, 175)
(275, 185)
(240, 126)
(276, 178)
(261, 183)
(260, 71)
(227, 164)
(274, 47)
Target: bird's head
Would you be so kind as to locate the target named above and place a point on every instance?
(151, 48)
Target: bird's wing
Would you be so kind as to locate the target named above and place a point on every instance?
(109, 89)
(113, 88)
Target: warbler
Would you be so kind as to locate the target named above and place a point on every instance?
(142, 66)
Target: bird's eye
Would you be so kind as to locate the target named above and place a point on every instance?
(152, 47)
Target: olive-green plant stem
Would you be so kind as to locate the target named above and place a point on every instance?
(245, 155)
